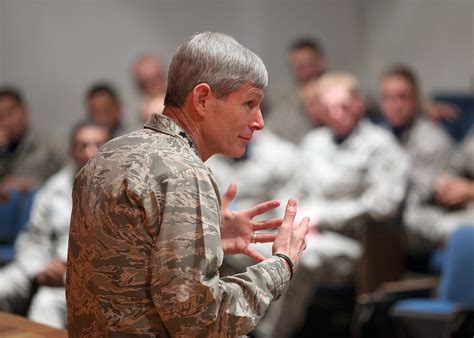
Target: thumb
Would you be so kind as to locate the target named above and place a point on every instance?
(229, 195)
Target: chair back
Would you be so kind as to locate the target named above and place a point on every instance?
(14, 214)
(457, 281)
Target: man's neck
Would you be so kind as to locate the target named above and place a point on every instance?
(190, 126)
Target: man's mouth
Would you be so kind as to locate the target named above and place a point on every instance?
(246, 138)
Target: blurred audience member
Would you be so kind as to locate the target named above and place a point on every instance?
(40, 262)
(352, 178)
(311, 105)
(150, 80)
(27, 157)
(149, 107)
(104, 106)
(353, 174)
(306, 61)
(430, 222)
(430, 150)
(457, 191)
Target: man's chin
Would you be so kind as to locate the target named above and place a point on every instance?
(236, 153)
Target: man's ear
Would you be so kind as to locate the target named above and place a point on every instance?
(202, 93)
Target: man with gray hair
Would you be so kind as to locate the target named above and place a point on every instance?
(148, 229)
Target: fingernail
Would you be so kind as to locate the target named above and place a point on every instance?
(291, 202)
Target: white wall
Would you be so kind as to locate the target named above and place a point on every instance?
(54, 49)
(435, 37)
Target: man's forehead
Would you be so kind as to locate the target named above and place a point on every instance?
(7, 99)
(336, 94)
(251, 90)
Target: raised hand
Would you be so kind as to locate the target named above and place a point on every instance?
(237, 227)
(53, 274)
(291, 237)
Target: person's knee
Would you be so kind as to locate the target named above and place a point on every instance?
(49, 307)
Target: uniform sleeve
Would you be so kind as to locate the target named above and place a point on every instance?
(433, 157)
(467, 151)
(191, 298)
(34, 245)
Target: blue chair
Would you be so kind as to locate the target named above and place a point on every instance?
(14, 214)
(465, 103)
(437, 317)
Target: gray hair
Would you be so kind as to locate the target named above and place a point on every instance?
(216, 59)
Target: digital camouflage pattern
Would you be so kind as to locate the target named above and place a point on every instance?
(145, 248)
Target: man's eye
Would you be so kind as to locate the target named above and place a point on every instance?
(250, 104)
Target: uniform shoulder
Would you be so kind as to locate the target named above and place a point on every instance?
(376, 132)
(432, 132)
(381, 141)
(317, 134)
(159, 154)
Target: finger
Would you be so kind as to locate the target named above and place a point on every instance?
(265, 225)
(450, 112)
(303, 227)
(55, 272)
(57, 266)
(41, 278)
(251, 252)
(262, 208)
(290, 213)
(305, 222)
(50, 275)
(265, 237)
(55, 269)
(229, 195)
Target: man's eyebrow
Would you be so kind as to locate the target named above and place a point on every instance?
(256, 95)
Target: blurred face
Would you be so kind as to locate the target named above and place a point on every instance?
(150, 106)
(398, 100)
(87, 142)
(13, 119)
(311, 105)
(149, 77)
(104, 109)
(305, 64)
(343, 110)
(232, 121)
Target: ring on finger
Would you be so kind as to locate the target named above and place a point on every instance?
(254, 238)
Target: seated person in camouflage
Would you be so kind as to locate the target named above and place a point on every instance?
(306, 61)
(432, 221)
(148, 229)
(41, 248)
(27, 157)
(432, 153)
(104, 106)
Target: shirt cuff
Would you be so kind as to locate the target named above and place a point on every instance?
(277, 275)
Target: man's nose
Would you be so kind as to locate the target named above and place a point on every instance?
(336, 113)
(258, 123)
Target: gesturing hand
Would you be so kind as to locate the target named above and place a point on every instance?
(53, 274)
(291, 237)
(237, 227)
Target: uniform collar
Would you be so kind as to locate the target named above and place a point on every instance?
(167, 125)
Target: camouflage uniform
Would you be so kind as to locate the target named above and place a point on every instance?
(428, 223)
(145, 247)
